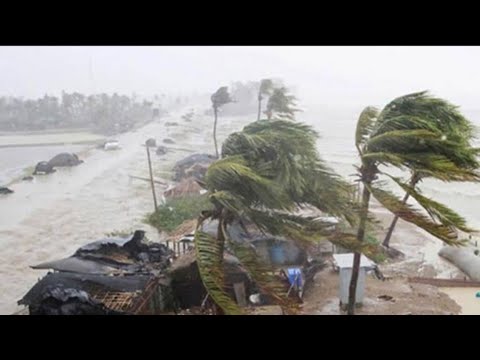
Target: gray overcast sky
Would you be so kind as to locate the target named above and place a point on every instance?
(324, 75)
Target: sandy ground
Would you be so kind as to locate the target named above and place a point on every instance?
(52, 216)
(402, 298)
(466, 297)
(421, 259)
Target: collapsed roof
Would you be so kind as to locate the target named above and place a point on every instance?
(108, 276)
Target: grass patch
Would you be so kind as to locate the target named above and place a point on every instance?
(175, 211)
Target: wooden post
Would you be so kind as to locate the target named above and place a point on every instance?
(239, 289)
(151, 179)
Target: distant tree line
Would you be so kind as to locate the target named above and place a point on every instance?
(107, 114)
(248, 97)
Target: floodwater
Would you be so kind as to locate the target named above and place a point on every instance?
(52, 216)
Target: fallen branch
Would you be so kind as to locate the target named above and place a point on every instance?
(146, 179)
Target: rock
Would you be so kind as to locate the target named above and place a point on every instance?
(168, 141)
(5, 190)
(27, 178)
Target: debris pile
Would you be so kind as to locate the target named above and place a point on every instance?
(109, 276)
(194, 165)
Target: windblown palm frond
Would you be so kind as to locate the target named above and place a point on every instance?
(266, 87)
(262, 273)
(281, 104)
(365, 125)
(406, 212)
(284, 152)
(269, 170)
(437, 211)
(232, 174)
(427, 136)
(209, 251)
(301, 229)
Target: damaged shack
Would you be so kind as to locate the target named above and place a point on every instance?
(106, 277)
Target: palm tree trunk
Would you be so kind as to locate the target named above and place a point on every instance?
(259, 108)
(215, 130)
(386, 242)
(357, 255)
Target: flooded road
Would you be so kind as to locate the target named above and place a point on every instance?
(52, 216)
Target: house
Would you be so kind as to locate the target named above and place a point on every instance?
(123, 275)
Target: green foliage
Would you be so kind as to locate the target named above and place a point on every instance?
(221, 97)
(429, 137)
(281, 104)
(266, 87)
(269, 170)
(210, 265)
(105, 113)
(177, 210)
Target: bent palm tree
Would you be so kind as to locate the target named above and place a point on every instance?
(281, 104)
(454, 127)
(267, 171)
(219, 98)
(266, 86)
(396, 138)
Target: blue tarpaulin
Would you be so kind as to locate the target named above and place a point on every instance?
(295, 277)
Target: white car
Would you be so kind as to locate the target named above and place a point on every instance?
(112, 145)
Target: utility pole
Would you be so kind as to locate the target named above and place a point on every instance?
(151, 177)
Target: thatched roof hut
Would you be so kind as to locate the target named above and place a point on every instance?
(188, 186)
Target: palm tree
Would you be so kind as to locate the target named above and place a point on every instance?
(394, 137)
(266, 86)
(281, 104)
(219, 98)
(268, 171)
(454, 127)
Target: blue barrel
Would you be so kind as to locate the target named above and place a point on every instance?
(277, 254)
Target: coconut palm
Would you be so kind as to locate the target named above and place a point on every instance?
(281, 104)
(266, 87)
(219, 98)
(268, 171)
(454, 127)
(418, 141)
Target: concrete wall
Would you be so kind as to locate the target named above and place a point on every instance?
(343, 291)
